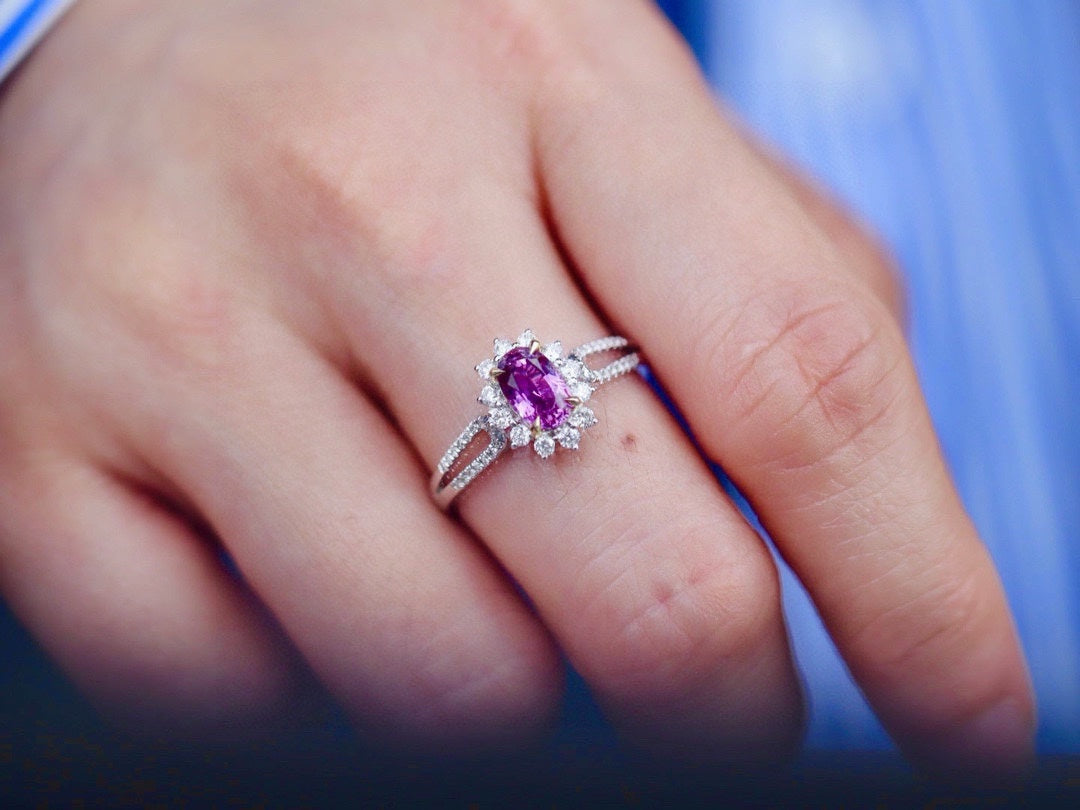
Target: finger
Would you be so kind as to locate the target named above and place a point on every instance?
(860, 253)
(657, 589)
(798, 382)
(134, 607)
(326, 515)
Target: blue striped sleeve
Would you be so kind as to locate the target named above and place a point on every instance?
(22, 24)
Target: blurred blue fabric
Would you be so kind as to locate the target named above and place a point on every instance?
(953, 129)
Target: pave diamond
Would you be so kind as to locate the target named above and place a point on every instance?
(544, 445)
(534, 388)
(502, 346)
(486, 456)
(484, 368)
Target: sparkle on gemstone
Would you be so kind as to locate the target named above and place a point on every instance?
(534, 388)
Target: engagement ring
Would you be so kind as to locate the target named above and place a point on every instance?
(534, 396)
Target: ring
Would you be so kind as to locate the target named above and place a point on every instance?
(534, 395)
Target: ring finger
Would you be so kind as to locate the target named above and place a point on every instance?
(660, 593)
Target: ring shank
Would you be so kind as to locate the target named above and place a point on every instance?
(444, 486)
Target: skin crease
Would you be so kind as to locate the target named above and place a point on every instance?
(251, 251)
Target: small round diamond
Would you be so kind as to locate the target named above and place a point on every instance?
(574, 370)
(568, 437)
(490, 396)
(520, 435)
(544, 445)
(501, 418)
(582, 417)
(580, 390)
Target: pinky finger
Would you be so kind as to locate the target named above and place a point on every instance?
(134, 606)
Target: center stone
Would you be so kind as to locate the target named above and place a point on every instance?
(534, 388)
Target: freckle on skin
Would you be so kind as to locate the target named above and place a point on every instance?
(629, 441)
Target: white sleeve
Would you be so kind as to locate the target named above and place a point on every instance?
(22, 24)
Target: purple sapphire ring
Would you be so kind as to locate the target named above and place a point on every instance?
(534, 395)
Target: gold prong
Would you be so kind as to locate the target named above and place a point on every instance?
(537, 428)
(496, 372)
(573, 402)
(534, 346)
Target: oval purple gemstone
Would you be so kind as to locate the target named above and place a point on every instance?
(534, 387)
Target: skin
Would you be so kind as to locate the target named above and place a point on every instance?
(252, 250)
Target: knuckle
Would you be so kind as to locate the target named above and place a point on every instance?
(941, 624)
(380, 215)
(186, 320)
(815, 370)
(130, 272)
(666, 628)
(523, 33)
(136, 295)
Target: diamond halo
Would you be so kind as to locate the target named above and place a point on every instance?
(558, 387)
(533, 394)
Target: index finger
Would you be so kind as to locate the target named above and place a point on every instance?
(797, 380)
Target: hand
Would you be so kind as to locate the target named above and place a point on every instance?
(251, 252)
